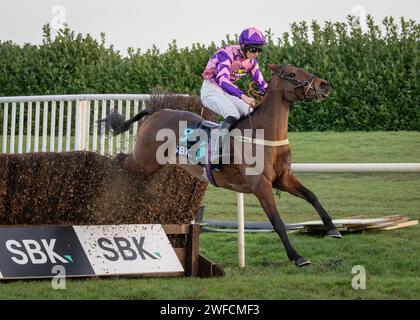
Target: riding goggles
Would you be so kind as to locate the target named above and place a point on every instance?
(254, 49)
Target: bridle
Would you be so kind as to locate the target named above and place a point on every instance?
(306, 85)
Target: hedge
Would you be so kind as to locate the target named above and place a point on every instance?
(374, 71)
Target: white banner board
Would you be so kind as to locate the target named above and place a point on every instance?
(128, 249)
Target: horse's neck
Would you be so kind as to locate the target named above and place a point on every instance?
(273, 116)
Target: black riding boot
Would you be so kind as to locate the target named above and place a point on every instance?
(225, 127)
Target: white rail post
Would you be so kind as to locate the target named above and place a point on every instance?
(118, 138)
(241, 230)
(87, 126)
(45, 127)
(95, 126)
(5, 126)
(110, 135)
(81, 125)
(52, 126)
(29, 128)
(21, 118)
(60, 127)
(77, 127)
(37, 121)
(102, 127)
(68, 125)
(12, 129)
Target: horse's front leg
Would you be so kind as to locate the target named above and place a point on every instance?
(289, 183)
(263, 191)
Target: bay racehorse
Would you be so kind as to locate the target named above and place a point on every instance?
(288, 85)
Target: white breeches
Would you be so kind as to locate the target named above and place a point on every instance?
(222, 103)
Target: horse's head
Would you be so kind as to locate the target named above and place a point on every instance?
(298, 84)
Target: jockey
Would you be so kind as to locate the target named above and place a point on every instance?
(225, 67)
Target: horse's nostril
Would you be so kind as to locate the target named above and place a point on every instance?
(325, 86)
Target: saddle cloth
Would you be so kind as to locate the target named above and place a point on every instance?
(199, 143)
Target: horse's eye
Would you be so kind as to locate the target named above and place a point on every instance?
(292, 74)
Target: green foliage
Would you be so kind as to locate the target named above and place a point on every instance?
(373, 72)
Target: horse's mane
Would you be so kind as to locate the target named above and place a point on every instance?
(173, 101)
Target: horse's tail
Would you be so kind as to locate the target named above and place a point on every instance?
(115, 122)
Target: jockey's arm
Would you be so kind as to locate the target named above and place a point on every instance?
(258, 78)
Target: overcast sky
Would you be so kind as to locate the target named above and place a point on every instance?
(140, 24)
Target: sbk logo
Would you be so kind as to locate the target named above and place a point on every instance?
(32, 251)
(127, 249)
(35, 252)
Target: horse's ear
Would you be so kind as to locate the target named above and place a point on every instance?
(271, 66)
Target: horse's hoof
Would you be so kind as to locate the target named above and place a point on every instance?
(334, 233)
(301, 262)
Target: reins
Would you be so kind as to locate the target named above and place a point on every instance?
(269, 143)
(306, 85)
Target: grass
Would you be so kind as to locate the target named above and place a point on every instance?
(391, 258)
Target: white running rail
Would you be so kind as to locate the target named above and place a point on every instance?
(355, 167)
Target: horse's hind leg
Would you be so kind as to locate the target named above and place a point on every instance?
(289, 183)
(264, 193)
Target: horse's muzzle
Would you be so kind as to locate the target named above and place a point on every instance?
(323, 90)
